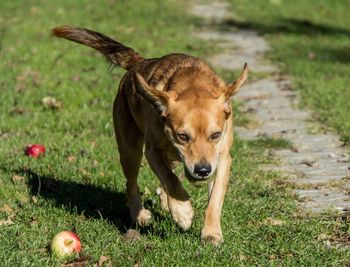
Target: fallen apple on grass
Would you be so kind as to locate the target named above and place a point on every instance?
(65, 244)
(35, 150)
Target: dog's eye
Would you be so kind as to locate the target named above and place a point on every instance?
(215, 136)
(184, 137)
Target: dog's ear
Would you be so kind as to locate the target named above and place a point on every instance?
(234, 87)
(158, 98)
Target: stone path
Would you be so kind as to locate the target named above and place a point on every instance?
(317, 165)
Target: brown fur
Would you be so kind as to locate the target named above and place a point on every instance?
(176, 109)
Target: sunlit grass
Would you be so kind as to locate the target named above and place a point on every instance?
(79, 185)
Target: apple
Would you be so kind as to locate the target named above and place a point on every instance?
(35, 150)
(65, 243)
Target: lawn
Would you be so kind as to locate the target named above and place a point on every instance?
(79, 185)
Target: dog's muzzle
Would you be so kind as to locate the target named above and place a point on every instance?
(202, 176)
(202, 170)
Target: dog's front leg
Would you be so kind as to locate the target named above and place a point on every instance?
(211, 232)
(178, 199)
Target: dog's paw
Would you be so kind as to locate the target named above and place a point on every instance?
(163, 198)
(182, 212)
(143, 217)
(212, 237)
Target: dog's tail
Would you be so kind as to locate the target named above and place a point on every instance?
(115, 52)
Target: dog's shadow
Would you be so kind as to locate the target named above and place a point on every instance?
(95, 202)
(90, 200)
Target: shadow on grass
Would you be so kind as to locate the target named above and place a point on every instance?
(300, 27)
(326, 53)
(283, 25)
(92, 201)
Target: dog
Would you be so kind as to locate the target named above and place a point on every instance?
(171, 109)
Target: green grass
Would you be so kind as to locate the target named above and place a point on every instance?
(79, 185)
(310, 41)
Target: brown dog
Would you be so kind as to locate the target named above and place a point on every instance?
(176, 109)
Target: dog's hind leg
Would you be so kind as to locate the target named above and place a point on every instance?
(130, 146)
(163, 196)
(178, 200)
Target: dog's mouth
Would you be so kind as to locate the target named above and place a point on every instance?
(197, 181)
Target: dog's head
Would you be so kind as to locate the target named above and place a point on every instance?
(195, 120)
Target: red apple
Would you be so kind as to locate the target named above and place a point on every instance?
(65, 244)
(35, 150)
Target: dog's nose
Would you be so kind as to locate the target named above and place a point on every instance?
(202, 170)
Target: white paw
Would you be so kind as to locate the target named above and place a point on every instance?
(143, 217)
(182, 212)
(213, 236)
